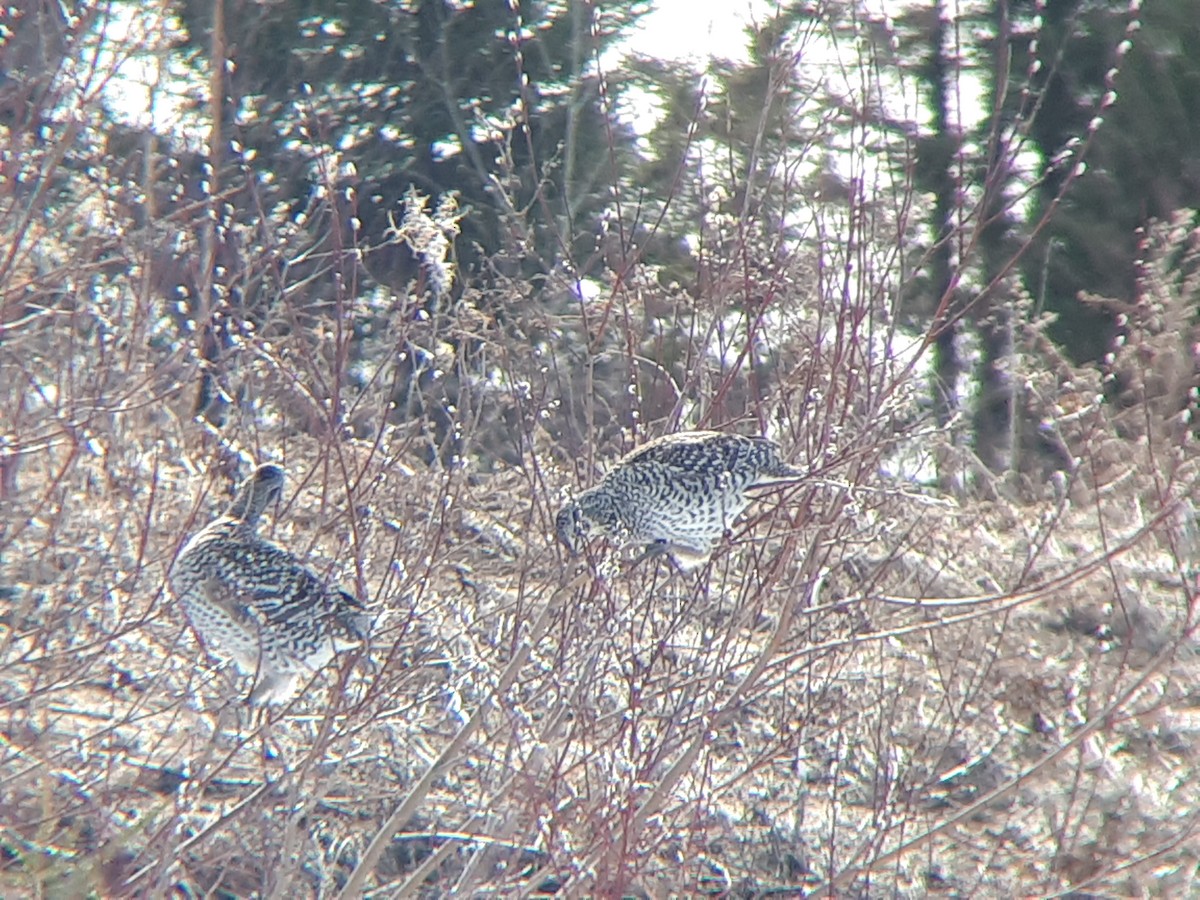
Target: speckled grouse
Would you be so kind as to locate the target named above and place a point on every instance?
(252, 602)
(677, 494)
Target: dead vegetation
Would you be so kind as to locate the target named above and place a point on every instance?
(871, 689)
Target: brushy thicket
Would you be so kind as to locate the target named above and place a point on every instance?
(872, 690)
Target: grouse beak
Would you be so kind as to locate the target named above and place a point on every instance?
(567, 531)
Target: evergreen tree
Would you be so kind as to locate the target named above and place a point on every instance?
(499, 103)
(938, 153)
(1143, 161)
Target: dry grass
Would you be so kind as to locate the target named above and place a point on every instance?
(869, 690)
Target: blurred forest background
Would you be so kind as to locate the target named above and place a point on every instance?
(447, 261)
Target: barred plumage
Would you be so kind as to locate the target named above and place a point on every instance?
(677, 494)
(252, 602)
